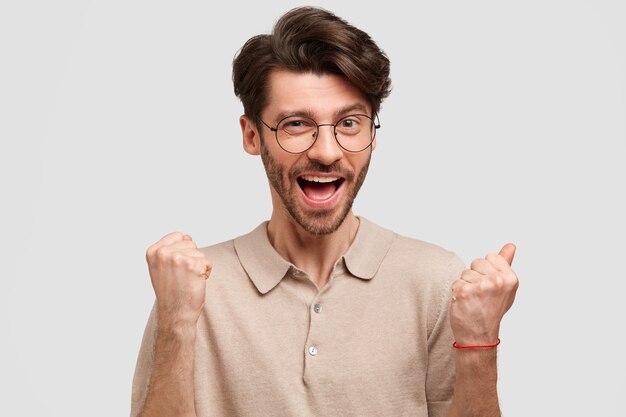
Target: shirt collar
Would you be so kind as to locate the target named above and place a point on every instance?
(266, 268)
(368, 250)
(259, 259)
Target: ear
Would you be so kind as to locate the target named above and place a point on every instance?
(375, 132)
(251, 138)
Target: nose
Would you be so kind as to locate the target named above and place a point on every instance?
(325, 150)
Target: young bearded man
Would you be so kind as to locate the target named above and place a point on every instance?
(318, 312)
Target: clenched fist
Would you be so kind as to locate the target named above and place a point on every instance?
(178, 271)
(481, 297)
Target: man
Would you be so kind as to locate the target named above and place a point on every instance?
(318, 312)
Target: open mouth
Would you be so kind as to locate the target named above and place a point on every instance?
(319, 188)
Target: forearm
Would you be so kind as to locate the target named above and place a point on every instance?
(475, 386)
(171, 389)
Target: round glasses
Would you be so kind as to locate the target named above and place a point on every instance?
(297, 134)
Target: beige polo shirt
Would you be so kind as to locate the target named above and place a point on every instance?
(375, 341)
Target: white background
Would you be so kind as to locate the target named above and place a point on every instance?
(118, 125)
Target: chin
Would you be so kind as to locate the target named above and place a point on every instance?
(320, 223)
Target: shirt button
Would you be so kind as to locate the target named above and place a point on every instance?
(313, 350)
(317, 308)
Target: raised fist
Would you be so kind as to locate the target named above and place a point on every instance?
(178, 271)
(481, 297)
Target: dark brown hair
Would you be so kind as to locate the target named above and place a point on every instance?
(308, 39)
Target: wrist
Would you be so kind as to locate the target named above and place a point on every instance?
(475, 361)
(474, 338)
(176, 330)
(171, 320)
(481, 346)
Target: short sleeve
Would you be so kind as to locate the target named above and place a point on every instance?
(441, 363)
(143, 369)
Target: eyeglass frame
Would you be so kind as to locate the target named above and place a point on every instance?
(334, 125)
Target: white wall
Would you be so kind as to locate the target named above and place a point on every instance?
(118, 125)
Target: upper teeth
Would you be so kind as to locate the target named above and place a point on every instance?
(319, 179)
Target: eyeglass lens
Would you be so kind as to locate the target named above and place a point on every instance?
(297, 133)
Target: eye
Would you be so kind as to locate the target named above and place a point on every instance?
(349, 123)
(296, 125)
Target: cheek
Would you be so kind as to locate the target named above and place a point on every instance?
(360, 161)
(278, 162)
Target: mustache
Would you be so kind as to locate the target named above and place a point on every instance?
(335, 167)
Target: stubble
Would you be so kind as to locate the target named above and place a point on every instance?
(316, 222)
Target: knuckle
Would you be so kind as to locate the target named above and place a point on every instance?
(189, 264)
(468, 273)
(488, 285)
(492, 284)
(162, 253)
(150, 252)
(178, 259)
(492, 257)
(513, 282)
(499, 282)
(466, 291)
(477, 263)
(177, 235)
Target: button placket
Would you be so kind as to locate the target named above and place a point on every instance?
(317, 308)
(315, 353)
(312, 343)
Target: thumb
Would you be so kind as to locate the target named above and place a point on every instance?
(508, 252)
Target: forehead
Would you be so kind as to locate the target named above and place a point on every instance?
(319, 96)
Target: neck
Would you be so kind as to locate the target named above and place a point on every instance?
(314, 254)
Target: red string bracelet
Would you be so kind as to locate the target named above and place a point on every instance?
(454, 345)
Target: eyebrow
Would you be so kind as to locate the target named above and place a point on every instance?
(351, 108)
(311, 115)
(302, 112)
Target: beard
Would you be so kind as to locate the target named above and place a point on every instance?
(316, 222)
